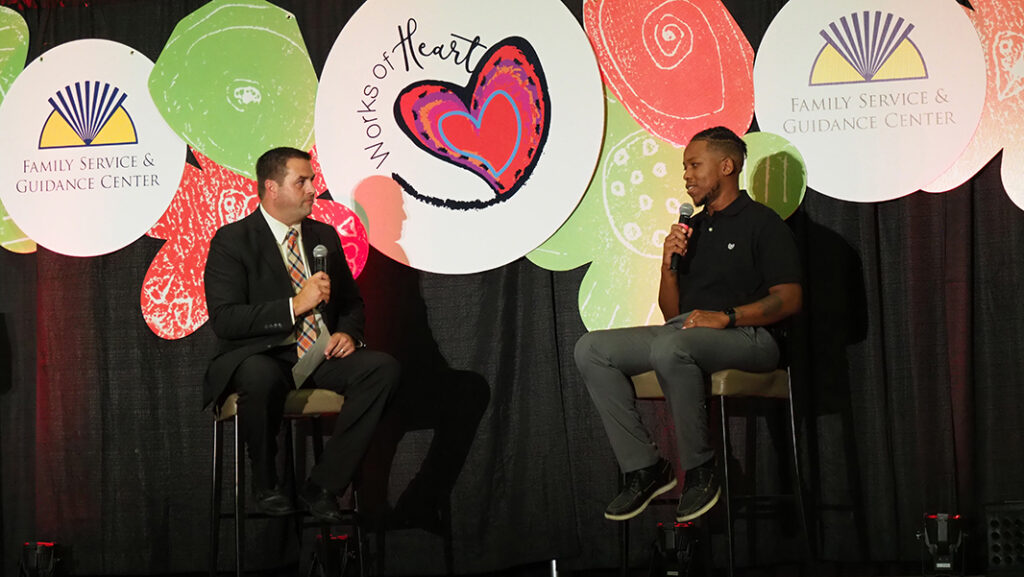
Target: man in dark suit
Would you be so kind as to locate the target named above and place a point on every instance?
(267, 309)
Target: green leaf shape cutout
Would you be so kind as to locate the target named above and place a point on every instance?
(11, 237)
(235, 80)
(13, 48)
(13, 52)
(775, 173)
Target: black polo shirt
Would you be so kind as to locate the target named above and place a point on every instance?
(735, 255)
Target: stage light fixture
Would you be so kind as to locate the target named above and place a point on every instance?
(942, 538)
(673, 550)
(41, 559)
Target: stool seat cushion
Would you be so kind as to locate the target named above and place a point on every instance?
(647, 386)
(301, 402)
(727, 383)
(734, 383)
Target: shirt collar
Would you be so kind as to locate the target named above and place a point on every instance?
(737, 205)
(278, 228)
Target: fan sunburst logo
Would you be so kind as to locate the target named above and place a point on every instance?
(89, 113)
(868, 47)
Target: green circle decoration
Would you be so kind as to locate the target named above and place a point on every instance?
(235, 80)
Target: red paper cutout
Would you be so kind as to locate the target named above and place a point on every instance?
(678, 67)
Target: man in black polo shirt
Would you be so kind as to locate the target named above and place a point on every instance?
(739, 272)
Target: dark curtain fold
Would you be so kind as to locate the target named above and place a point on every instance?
(906, 363)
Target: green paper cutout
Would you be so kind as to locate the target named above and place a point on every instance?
(775, 173)
(13, 48)
(13, 52)
(11, 237)
(620, 224)
(235, 80)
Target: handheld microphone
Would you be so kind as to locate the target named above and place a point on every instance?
(685, 212)
(319, 265)
(320, 256)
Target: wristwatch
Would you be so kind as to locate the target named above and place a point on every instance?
(731, 313)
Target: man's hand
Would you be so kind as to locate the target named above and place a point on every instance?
(675, 243)
(340, 346)
(315, 289)
(709, 319)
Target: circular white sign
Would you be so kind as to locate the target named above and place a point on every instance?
(467, 132)
(87, 164)
(880, 97)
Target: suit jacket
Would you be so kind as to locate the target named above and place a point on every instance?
(247, 292)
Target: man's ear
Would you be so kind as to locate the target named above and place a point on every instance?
(727, 166)
(270, 186)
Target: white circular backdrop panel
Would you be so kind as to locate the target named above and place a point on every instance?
(87, 164)
(880, 97)
(460, 176)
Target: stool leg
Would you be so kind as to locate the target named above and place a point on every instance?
(218, 461)
(624, 547)
(446, 525)
(798, 484)
(358, 522)
(381, 548)
(291, 437)
(239, 500)
(725, 485)
(318, 450)
(623, 536)
(318, 439)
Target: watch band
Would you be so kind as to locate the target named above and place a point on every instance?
(731, 313)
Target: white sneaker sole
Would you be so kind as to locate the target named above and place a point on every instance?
(659, 491)
(702, 510)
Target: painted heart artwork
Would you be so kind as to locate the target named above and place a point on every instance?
(494, 127)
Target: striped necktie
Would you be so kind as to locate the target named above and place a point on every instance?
(305, 332)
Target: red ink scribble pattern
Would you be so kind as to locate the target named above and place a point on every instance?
(678, 66)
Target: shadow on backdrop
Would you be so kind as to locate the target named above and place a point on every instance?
(834, 318)
(433, 396)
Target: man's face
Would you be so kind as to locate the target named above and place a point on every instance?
(292, 198)
(703, 172)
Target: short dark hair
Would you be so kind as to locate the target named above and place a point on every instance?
(725, 141)
(273, 164)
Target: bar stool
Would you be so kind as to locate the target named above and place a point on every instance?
(724, 384)
(303, 404)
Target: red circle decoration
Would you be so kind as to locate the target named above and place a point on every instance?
(678, 66)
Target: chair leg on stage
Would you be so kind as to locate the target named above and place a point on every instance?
(239, 500)
(216, 494)
(725, 487)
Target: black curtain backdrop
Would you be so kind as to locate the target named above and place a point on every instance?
(906, 361)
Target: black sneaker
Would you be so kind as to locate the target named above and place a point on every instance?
(641, 486)
(273, 502)
(700, 493)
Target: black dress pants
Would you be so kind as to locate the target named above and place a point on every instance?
(366, 378)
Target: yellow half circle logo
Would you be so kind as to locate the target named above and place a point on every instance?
(88, 114)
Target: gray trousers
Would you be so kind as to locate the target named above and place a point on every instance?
(682, 360)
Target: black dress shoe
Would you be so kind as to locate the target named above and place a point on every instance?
(321, 503)
(273, 502)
